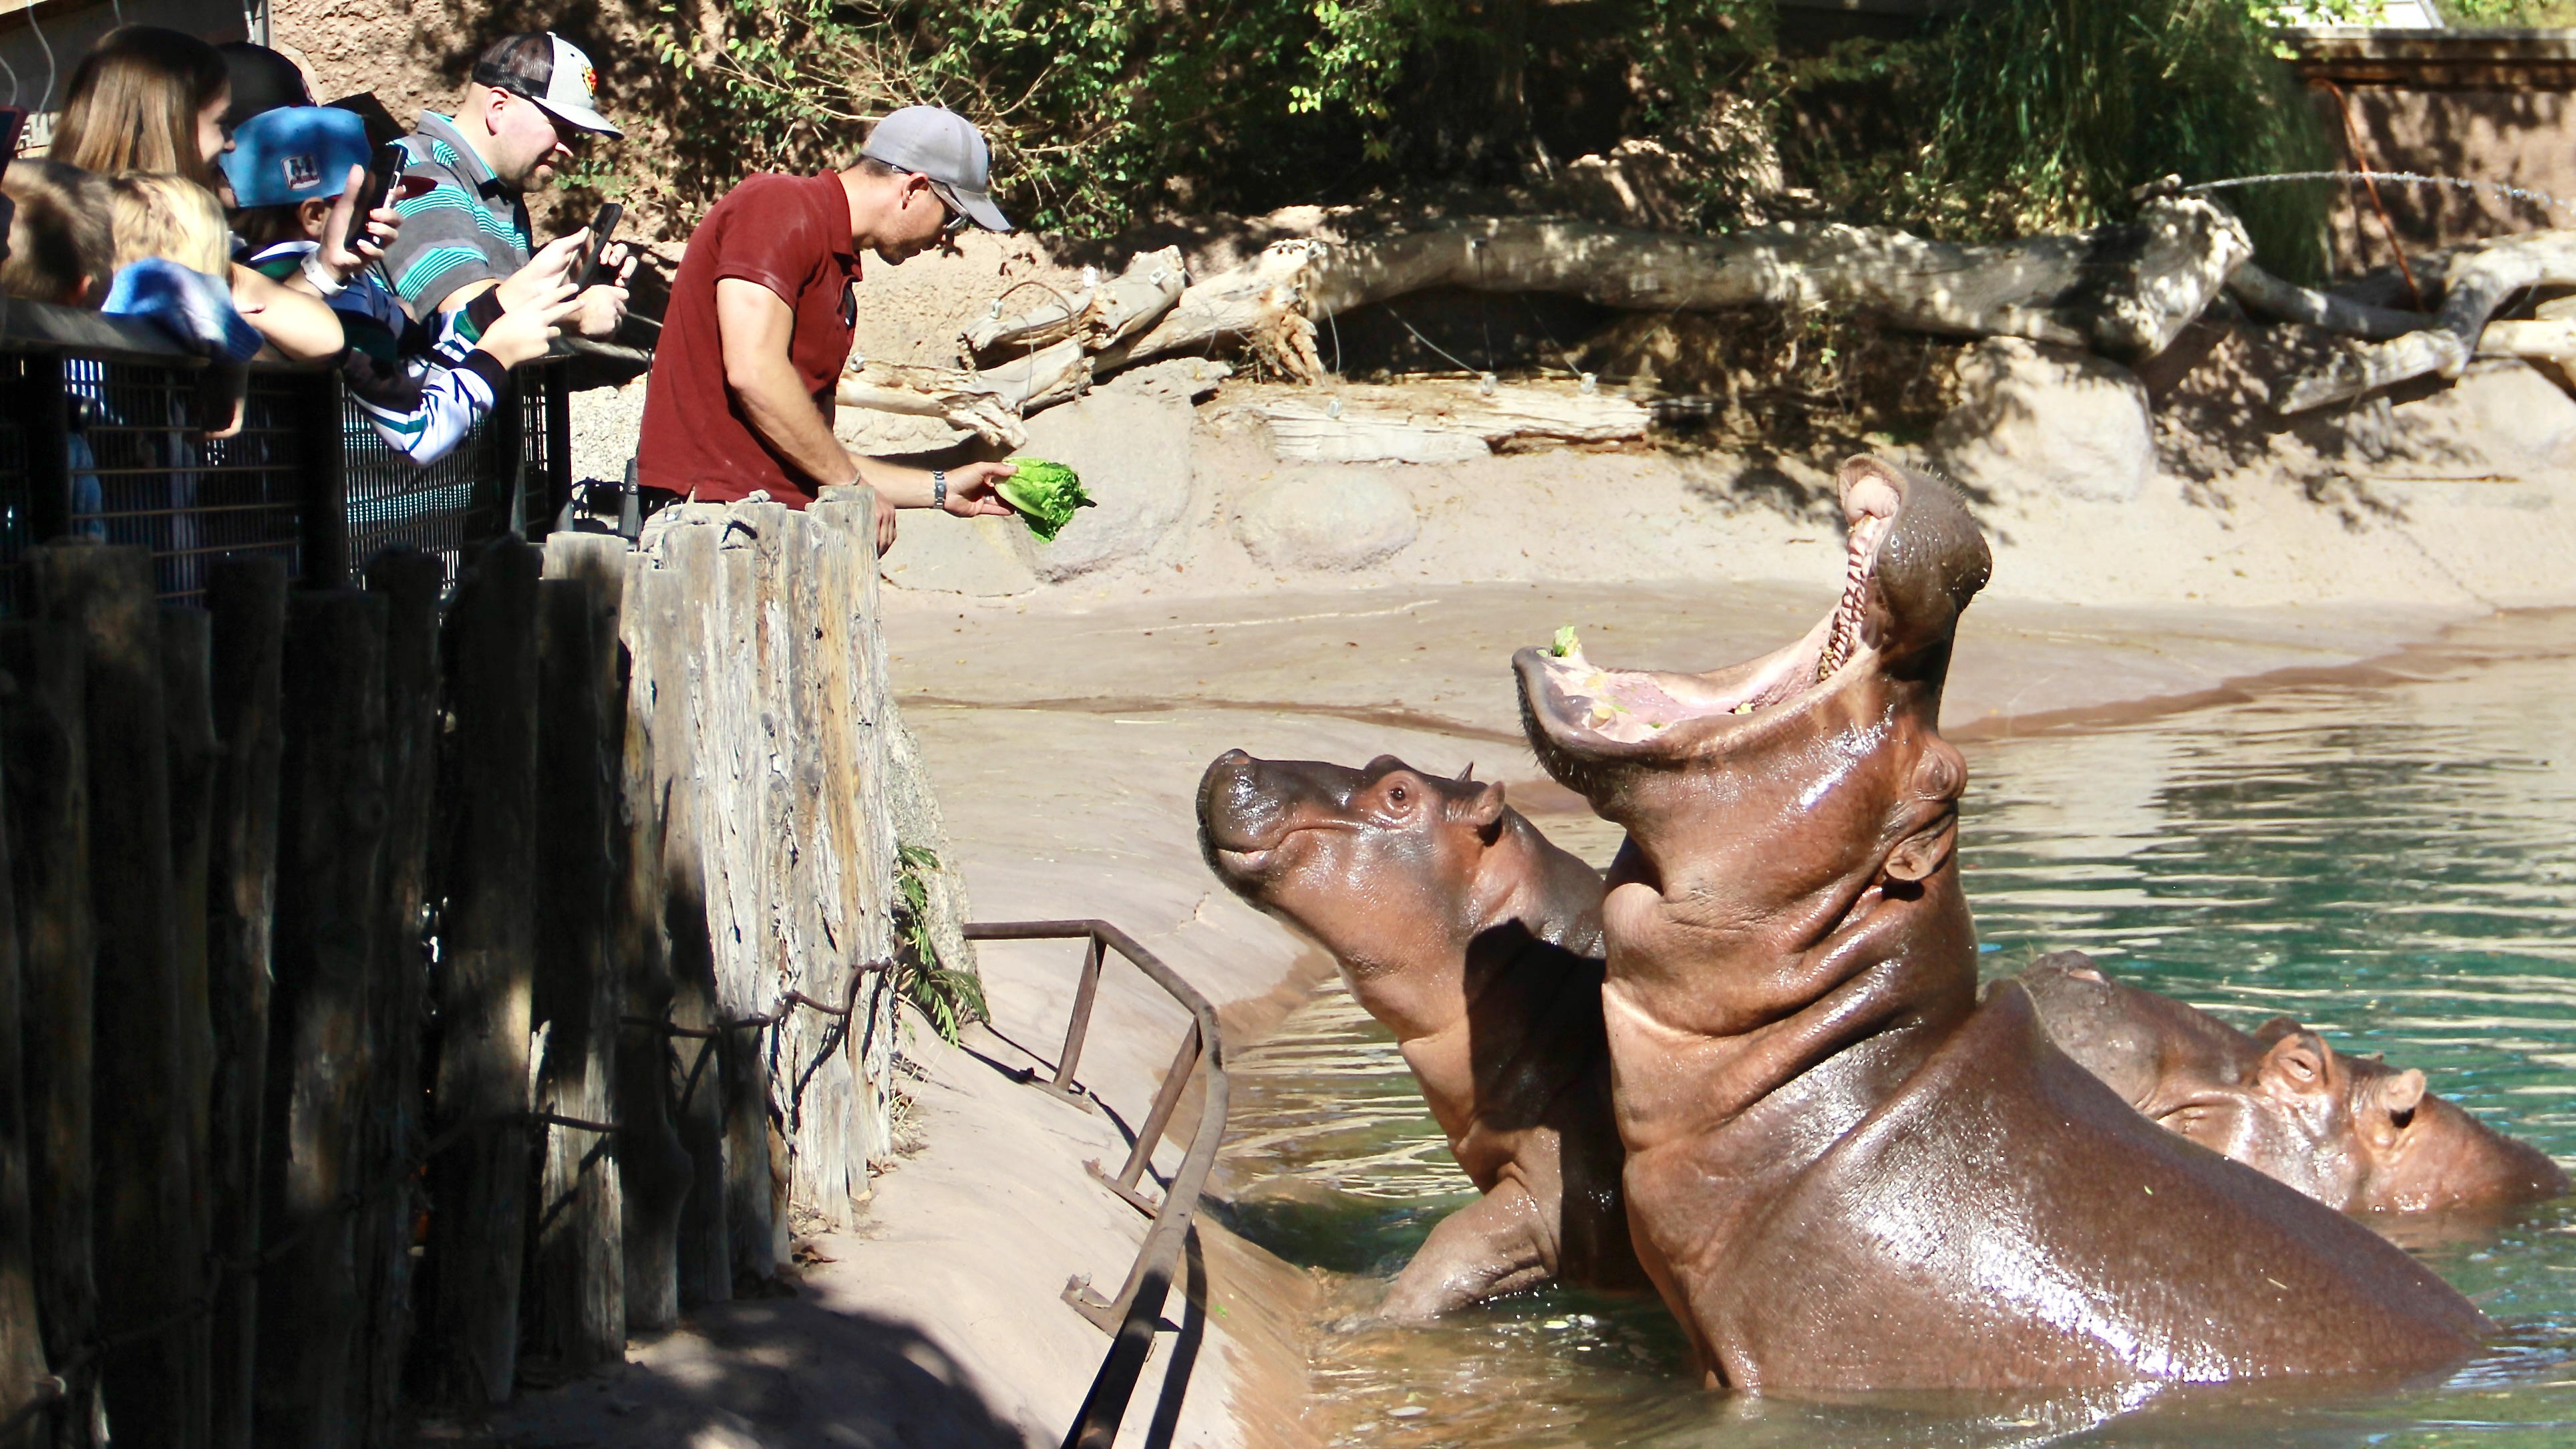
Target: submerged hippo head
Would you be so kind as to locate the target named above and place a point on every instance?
(1834, 733)
(2365, 1135)
(1386, 866)
(2352, 1132)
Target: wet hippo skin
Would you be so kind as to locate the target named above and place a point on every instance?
(2352, 1132)
(1478, 944)
(1843, 1172)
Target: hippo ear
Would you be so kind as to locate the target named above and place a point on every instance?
(1480, 808)
(2300, 1064)
(2277, 1028)
(2387, 1107)
(1921, 853)
(1939, 776)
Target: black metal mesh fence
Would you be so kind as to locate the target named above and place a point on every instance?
(115, 445)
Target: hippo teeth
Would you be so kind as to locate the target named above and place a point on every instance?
(1860, 558)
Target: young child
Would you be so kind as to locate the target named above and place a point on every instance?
(421, 385)
(62, 245)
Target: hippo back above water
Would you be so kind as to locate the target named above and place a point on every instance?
(2352, 1132)
(1462, 930)
(1844, 1173)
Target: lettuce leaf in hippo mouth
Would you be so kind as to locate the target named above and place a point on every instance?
(1046, 494)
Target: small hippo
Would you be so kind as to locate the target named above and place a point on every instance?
(1844, 1173)
(1478, 944)
(2351, 1132)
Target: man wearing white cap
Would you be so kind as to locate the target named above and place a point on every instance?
(763, 312)
(532, 101)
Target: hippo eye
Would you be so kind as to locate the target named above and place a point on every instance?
(1395, 796)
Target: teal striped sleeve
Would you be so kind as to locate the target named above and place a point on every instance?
(445, 243)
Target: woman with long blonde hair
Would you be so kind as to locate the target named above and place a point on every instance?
(147, 99)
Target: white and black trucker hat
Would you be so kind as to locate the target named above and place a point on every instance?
(551, 71)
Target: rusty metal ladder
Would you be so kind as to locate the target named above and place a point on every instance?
(1133, 1315)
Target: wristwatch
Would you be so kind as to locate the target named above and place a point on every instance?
(939, 488)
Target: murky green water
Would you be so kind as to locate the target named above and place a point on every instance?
(2390, 861)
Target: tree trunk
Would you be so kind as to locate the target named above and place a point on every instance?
(247, 598)
(666, 633)
(2478, 283)
(653, 1164)
(23, 1379)
(150, 1265)
(187, 648)
(576, 1309)
(468, 1331)
(332, 815)
(398, 1007)
(44, 739)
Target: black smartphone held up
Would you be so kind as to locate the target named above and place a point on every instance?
(601, 226)
(13, 126)
(383, 184)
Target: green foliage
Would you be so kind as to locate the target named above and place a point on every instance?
(2046, 112)
(1046, 494)
(1101, 110)
(946, 998)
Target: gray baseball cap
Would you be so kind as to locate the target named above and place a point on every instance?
(944, 147)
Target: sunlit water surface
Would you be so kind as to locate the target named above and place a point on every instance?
(2388, 860)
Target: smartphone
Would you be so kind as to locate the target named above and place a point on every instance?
(383, 185)
(13, 125)
(601, 227)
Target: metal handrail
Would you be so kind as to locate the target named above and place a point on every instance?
(1131, 1318)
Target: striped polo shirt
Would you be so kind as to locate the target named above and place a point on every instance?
(466, 228)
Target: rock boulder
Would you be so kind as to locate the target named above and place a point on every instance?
(1326, 519)
(1133, 452)
(2036, 419)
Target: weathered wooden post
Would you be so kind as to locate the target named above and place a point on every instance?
(398, 1006)
(664, 625)
(149, 1264)
(44, 741)
(653, 1166)
(577, 1306)
(23, 1380)
(467, 1345)
(187, 660)
(331, 804)
(761, 652)
(247, 598)
(856, 741)
(723, 661)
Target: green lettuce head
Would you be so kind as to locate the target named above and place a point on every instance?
(1046, 494)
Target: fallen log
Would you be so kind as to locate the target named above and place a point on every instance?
(2554, 339)
(2479, 283)
(1100, 317)
(961, 400)
(1257, 306)
(1422, 424)
(2266, 295)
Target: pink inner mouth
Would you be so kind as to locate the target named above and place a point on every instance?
(1632, 706)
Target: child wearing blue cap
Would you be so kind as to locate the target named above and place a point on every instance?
(294, 172)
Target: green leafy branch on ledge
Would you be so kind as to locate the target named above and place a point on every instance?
(947, 998)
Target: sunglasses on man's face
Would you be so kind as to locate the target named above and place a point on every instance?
(957, 220)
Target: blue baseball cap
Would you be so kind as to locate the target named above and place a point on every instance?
(295, 153)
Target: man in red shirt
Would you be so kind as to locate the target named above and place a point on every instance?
(763, 312)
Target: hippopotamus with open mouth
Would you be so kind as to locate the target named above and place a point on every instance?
(2352, 1132)
(1844, 1173)
(1478, 944)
